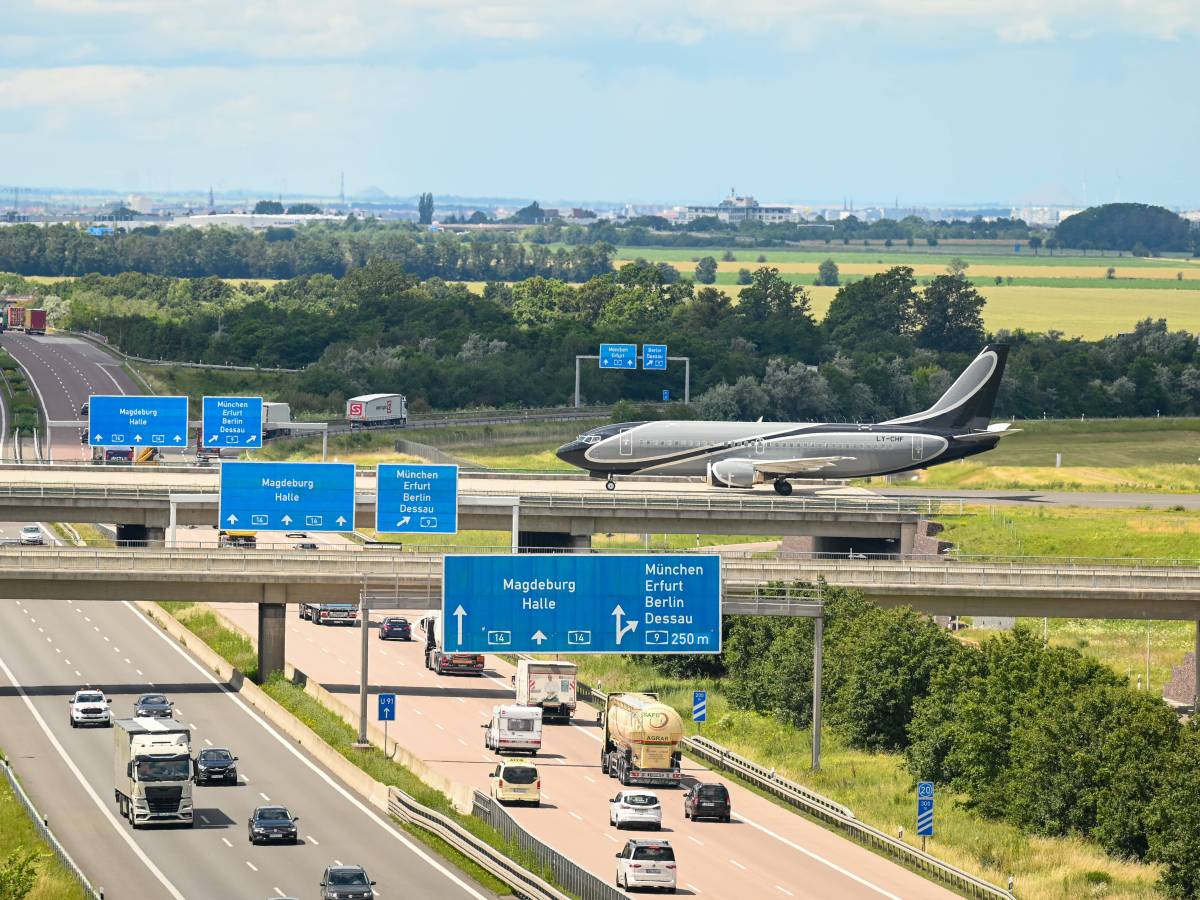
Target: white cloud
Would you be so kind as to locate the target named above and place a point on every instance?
(62, 88)
(1026, 31)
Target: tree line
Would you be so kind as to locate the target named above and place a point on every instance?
(1038, 736)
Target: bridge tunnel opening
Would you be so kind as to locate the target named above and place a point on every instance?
(552, 542)
(141, 536)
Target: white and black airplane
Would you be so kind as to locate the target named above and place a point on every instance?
(743, 454)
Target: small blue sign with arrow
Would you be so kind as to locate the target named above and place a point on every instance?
(387, 708)
(277, 496)
(415, 498)
(232, 422)
(133, 421)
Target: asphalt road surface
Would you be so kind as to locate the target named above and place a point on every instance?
(49, 649)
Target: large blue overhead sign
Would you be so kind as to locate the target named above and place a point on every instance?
(276, 496)
(232, 421)
(416, 499)
(618, 356)
(131, 421)
(654, 357)
(559, 603)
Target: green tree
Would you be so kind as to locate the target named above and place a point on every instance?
(728, 256)
(1174, 818)
(947, 315)
(744, 276)
(425, 209)
(873, 312)
(827, 273)
(268, 208)
(1124, 226)
(1035, 244)
(303, 209)
(18, 873)
(957, 265)
(706, 270)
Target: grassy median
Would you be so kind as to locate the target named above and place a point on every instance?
(18, 838)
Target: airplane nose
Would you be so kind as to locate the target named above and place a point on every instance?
(572, 453)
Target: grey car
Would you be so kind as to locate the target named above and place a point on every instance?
(346, 883)
(153, 706)
(271, 823)
(217, 764)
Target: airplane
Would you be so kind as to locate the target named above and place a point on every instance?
(743, 454)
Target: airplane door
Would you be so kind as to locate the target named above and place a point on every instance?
(627, 442)
(759, 447)
(918, 446)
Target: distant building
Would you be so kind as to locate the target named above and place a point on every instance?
(250, 220)
(1046, 216)
(742, 209)
(139, 204)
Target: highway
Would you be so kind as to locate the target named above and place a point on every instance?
(49, 651)
(766, 851)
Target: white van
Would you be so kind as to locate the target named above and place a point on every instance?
(514, 729)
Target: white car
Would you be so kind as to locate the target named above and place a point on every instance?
(635, 808)
(646, 864)
(90, 707)
(31, 534)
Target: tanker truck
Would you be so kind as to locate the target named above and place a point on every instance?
(641, 740)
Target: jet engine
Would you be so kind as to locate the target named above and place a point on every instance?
(733, 473)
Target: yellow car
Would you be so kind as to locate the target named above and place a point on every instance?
(516, 781)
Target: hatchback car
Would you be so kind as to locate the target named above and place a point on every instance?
(395, 628)
(32, 534)
(516, 782)
(90, 708)
(346, 883)
(153, 706)
(706, 801)
(635, 808)
(646, 864)
(271, 823)
(217, 764)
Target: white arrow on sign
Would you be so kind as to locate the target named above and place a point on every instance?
(98, 437)
(137, 438)
(252, 438)
(231, 519)
(404, 521)
(213, 439)
(178, 438)
(539, 637)
(286, 520)
(341, 520)
(459, 614)
(629, 626)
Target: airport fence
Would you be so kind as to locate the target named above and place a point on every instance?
(43, 830)
(567, 872)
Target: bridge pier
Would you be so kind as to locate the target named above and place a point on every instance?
(272, 629)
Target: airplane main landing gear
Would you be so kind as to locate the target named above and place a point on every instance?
(610, 485)
(783, 487)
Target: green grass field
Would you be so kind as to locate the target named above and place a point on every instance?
(16, 834)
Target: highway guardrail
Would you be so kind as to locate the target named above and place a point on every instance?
(43, 829)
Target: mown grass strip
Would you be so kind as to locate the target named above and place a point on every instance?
(17, 833)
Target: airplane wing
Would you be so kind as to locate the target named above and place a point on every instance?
(784, 467)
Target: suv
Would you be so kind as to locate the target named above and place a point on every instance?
(90, 707)
(635, 808)
(516, 782)
(32, 534)
(217, 764)
(395, 628)
(706, 801)
(649, 864)
(346, 883)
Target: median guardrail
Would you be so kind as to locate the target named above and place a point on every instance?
(832, 813)
(42, 825)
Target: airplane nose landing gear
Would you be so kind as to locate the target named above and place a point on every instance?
(783, 487)
(610, 485)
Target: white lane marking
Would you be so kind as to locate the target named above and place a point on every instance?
(339, 659)
(487, 758)
(461, 741)
(819, 858)
(610, 837)
(67, 661)
(125, 836)
(87, 618)
(57, 650)
(253, 867)
(691, 887)
(225, 841)
(588, 732)
(192, 725)
(77, 675)
(264, 796)
(337, 862)
(589, 779)
(279, 893)
(734, 862)
(438, 726)
(41, 630)
(695, 840)
(383, 653)
(460, 699)
(203, 819)
(207, 741)
(127, 662)
(283, 742)
(312, 840)
(784, 890)
(139, 671)
(574, 815)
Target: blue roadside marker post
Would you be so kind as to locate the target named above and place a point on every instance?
(699, 707)
(924, 811)
(387, 712)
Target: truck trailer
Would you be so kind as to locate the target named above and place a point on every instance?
(642, 739)
(377, 411)
(16, 318)
(277, 420)
(35, 321)
(441, 662)
(152, 770)
(547, 684)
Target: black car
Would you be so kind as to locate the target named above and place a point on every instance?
(395, 628)
(154, 706)
(706, 801)
(346, 883)
(271, 823)
(217, 764)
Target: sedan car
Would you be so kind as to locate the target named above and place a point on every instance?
(32, 534)
(635, 808)
(217, 764)
(153, 706)
(648, 864)
(346, 883)
(271, 823)
(306, 545)
(706, 801)
(90, 707)
(395, 628)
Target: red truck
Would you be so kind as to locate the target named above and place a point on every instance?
(35, 321)
(16, 317)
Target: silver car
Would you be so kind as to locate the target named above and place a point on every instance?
(635, 809)
(32, 534)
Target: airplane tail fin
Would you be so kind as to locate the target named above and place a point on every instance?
(969, 401)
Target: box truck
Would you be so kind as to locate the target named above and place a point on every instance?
(16, 317)
(35, 321)
(549, 685)
(277, 420)
(376, 410)
(152, 769)
(641, 740)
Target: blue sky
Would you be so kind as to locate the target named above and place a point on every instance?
(934, 101)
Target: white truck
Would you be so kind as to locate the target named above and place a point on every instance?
(514, 729)
(277, 420)
(152, 770)
(549, 685)
(377, 410)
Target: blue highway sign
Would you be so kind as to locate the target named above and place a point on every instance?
(232, 421)
(666, 396)
(416, 499)
(132, 421)
(277, 496)
(618, 356)
(387, 708)
(654, 356)
(699, 706)
(925, 809)
(558, 603)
